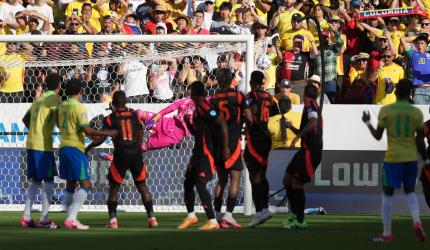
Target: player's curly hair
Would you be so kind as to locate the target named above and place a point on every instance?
(257, 79)
(198, 89)
(224, 77)
(404, 89)
(53, 81)
(73, 87)
(119, 99)
(311, 91)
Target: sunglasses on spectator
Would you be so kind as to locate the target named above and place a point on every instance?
(362, 60)
(394, 21)
(386, 57)
(74, 24)
(425, 24)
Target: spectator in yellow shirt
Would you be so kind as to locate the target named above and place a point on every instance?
(360, 68)
(13, 88)
(286, 90)
(280, 134)
(282, 18)
(386, 77)
(297, 29)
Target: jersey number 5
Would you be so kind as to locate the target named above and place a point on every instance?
(225, 113)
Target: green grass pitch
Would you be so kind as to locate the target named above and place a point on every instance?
(332, 231)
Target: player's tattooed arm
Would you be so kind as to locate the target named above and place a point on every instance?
(224, 132)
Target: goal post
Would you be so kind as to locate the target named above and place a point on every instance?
(42, 54)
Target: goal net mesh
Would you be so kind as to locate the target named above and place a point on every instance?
(153, 74)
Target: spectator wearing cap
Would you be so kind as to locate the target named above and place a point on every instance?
(419, 59)
(296, 64)
(224, 23)
(353, 34)
(316, 81)
(386, 76)
(197, 26)
(222, 62)
(12, 90)
(331, 52)
(183, 24)
(285, 89)
(60, 28)
(287, 37)
(425, 25)
(159, 16)
(41, 7)
(394, 32)
(383, 43)
(8, 11)
(282, 18)
(161, 29)
(360, 68)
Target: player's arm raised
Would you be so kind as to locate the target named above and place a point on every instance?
(376, 133)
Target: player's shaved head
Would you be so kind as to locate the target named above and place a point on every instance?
(119, 99)
(224, 77)
(257, 79)
(404, 89)
(73, 87)
(197, 89)
(53, 81)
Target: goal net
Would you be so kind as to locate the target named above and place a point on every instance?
(152, 70)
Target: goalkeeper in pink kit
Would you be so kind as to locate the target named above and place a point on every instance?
(167, 131)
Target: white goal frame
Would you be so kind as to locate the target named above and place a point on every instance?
(247, 207)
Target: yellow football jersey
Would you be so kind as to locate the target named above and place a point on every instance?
(401, 120)
(72, 118)
(42, 121)
(391, 73)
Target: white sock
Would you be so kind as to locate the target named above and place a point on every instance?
(191, 215)
(228, 215)
(414, 207)
(68, 199)
(47, 190)
(78, 200)
(31, 196)
(213, 221)
(112, 220)
(387, 210)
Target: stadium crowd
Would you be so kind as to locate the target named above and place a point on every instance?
(364, 58)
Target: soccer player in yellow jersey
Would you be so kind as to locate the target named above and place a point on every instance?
(73, 123)
(404, 124)
(40, 156)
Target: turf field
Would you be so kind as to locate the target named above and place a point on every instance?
(325, 232)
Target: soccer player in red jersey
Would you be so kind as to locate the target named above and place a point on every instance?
(231, 105)
(201, 167)
(302, 167)
(127, 155)
(258, 145)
